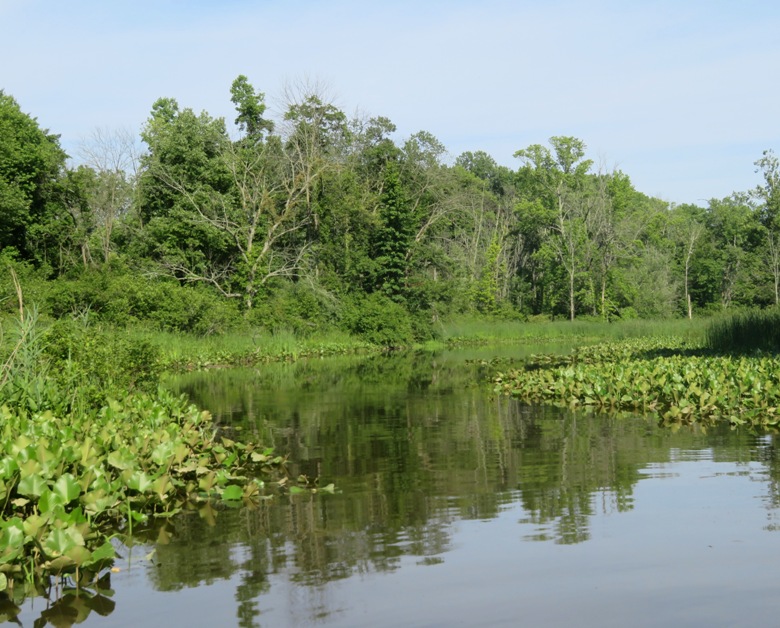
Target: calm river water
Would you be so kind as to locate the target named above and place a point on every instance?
(455, 507)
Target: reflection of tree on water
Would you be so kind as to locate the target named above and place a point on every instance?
(413, 446)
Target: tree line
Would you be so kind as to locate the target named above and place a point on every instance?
(317, 218)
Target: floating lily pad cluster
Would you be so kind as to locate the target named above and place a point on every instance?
(67, 485)
(680, 382)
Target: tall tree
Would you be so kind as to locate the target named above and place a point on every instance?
(769, 196)
(31, 164)
(394, 237)
(113, 157)
(736, 236)
(560, 174)
(250, 105)
(687, 229)
(244, 206)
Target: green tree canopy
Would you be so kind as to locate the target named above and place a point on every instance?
(31, 162)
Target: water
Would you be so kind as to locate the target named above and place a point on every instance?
(455, 507)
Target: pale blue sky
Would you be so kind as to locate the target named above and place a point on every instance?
(680, 95)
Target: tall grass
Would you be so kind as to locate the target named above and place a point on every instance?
(745, 331)
(513, 331)
(231, 348)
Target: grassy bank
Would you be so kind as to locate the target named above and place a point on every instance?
(187, 351)
(469, 330)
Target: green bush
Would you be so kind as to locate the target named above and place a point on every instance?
(120, 297)
(90, 364)
(294, 306)
(379, 320)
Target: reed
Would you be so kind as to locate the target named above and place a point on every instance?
(745, 331)
(481, 330)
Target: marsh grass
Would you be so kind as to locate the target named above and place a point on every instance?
(745, 331)
(191, 351)
(475, 330)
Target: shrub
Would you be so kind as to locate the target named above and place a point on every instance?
(294, 306)
(120, 297)
(379, 320)
(91, 364)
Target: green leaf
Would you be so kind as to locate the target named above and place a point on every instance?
(67, 488)
(232, 492)
(121, 459)
(49, 502)
(60, 540)
(31, 485)
(163, 453)
(8, 466)
(104, 552)
(79, 554)
(33, 525)
(140, 482)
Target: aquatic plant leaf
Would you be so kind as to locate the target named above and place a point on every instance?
(180, 453)
(60, 540)
(61, 564)
(8, 466)
(34, 524)
(232, 493)
(163, 453)
(206, 483)
(162, 486)
(49, 502)
(31, 485)
(79, 555)
(67, 488)
(140, 482)
(138, 516)
(98, 501)
(121, 459)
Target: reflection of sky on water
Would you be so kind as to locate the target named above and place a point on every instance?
(692, 551)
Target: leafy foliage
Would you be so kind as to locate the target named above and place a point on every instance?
(379, 320)
(210, 231)
(678, 381)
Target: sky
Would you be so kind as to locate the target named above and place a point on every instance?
(680, 95)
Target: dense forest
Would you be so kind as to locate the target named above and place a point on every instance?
(317, 220)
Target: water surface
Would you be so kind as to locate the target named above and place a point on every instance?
(456, 507)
